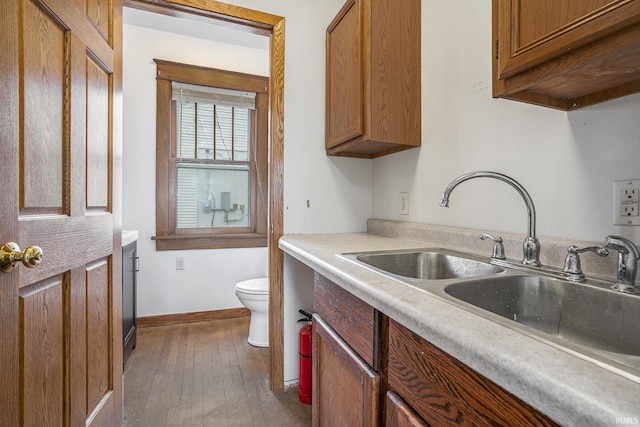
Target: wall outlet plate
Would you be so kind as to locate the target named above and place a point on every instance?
(404, 203)
(626, 194)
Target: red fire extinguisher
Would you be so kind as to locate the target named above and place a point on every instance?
(304, 351)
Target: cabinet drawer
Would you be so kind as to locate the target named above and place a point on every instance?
(444, 391)
(355, 321)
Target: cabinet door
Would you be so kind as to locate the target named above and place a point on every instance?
(344, 103)
(400, 414)
(345, 389)
(530, 32)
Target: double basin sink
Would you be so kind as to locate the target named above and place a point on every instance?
(586, 319)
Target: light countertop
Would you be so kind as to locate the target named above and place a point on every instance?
(129, 236)
(568, 389)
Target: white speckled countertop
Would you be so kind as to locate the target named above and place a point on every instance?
(568, 389)
(129, 236)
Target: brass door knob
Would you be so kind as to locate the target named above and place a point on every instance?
(10, 254)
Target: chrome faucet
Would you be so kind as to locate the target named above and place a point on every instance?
(531, 246)
(628, 256)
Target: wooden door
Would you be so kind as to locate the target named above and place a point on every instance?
(345, 389)
(60, 331)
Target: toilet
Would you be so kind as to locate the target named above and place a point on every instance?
(254, 294)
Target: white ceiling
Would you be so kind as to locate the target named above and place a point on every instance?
(198, 29)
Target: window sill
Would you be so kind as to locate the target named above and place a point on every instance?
(208, 241)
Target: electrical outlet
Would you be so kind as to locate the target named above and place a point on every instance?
(179, 263)
(404, 203)
(625, 202)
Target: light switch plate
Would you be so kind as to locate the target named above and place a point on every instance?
(404, 203)
(626, 194)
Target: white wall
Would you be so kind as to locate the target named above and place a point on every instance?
(209, 277)
(566, 161)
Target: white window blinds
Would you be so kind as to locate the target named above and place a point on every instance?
(184, 92)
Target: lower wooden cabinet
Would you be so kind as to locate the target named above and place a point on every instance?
(445, 392)
(369, 370)
(346, 390)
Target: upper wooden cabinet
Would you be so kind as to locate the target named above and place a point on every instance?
(566, 54)
(373, 78)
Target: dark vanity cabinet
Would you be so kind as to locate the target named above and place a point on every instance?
(129, 272)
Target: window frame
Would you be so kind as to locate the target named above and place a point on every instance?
(167, 236)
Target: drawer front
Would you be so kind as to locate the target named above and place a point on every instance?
(445, 392)
(353, 319)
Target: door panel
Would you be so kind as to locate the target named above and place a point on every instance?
(61, 351)
(97, 135)
(44, 77)
(42, 352)
(98, 321)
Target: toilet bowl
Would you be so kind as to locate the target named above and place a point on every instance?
(254, 294)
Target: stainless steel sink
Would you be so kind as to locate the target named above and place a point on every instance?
(588, 320)
(427, 264)
(562, 312)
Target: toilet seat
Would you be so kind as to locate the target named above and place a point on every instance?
(254, 286)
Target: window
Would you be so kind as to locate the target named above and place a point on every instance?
(211, 161)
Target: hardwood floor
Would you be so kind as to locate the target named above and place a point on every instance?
(204, 374)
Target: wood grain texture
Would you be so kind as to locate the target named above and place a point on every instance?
(99, 319)
(10, 119)
(235, 17)
(205, 374)
(394, 68)
(199, 316)
(206, 76)
(77, 361)
(538, 18)
(400, 414)
(353, 319)
(443, 391)
(44, 148)
(532, 32)
(344, 91)
(43, 398)
(276, 203)
(99, 14)
(98, 136)
(373, 78)
(583, 53)
(49, 380)
(345, 389)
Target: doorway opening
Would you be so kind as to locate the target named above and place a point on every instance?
(271, 26)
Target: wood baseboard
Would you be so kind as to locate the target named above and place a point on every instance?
(199, 316)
